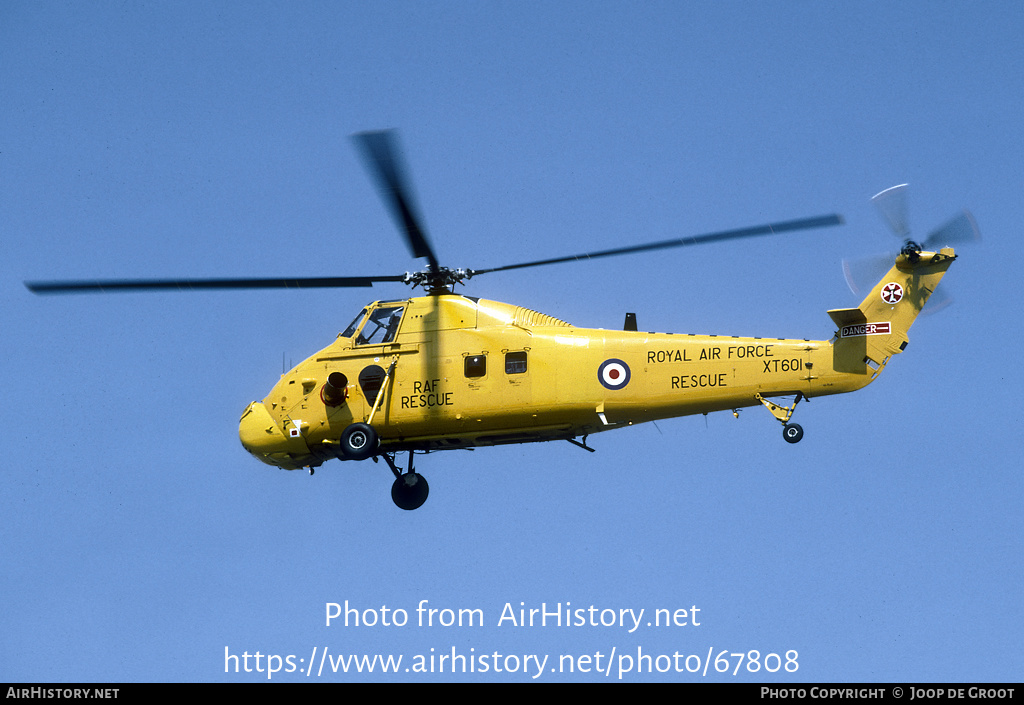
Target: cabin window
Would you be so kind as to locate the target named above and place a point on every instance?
(381, 327)
(515, 363)
(476, 365)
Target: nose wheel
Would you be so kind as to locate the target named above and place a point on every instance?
(410, 489)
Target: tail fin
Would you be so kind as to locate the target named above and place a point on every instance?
(876, 330)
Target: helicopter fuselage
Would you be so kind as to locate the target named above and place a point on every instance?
(460, 372)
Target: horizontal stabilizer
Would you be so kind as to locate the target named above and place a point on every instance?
(847, 316)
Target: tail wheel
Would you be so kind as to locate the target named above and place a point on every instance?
(792, 432)
(359, 441)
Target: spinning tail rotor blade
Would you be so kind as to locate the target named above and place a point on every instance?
(862, 274)
(938, 300)
(768, 229)
(892, 205)
(380, 149)
(959, 230)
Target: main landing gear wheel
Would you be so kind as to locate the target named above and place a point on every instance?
(359, 441)
(792, 432)
(410, 491)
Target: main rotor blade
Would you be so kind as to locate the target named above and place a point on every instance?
(380, 149)
(769, 229)
(122, 285)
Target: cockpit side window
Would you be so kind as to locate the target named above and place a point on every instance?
(351, 330)
(382, 326)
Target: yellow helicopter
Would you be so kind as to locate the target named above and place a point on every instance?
(448, 371)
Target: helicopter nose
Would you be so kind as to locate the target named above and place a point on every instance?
(260, 435)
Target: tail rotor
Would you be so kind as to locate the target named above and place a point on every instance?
(862, 274)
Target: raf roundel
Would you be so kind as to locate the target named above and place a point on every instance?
(613, 374)
(892, 293)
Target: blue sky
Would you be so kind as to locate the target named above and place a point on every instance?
(139, 541)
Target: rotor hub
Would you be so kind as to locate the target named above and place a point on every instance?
(441, 280)
(912, 251)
